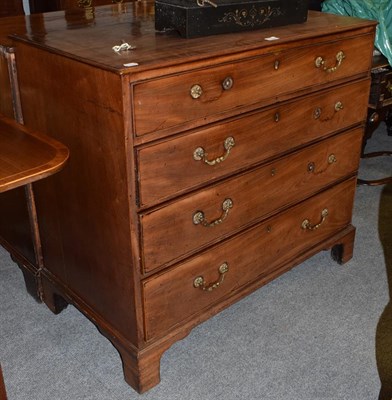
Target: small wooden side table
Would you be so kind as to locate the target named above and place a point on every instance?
(26, 156)
(379, 110)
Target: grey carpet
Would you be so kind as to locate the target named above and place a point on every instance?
(321, 331)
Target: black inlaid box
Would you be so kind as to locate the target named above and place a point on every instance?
(192, 18)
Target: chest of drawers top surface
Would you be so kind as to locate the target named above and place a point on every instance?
(71, 35)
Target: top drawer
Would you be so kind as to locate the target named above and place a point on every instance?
(176, 100)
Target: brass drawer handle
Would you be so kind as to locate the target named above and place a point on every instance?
(201, 154)
(199, 282)
(307, 225)
(331, 160)
(199, 218)
(320, 62)
(196, 91)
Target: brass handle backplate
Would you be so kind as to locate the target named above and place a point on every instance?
(200, 154)
(199, 282)
(320, 62)
(338, 106)
(332, 159)
(196, 91)
(307, 225)
(318, 110)
(312, 166)
(199, 218)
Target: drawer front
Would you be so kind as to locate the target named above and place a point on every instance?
(176, 100)
(184, 226)
(172, 297)
(172, 167)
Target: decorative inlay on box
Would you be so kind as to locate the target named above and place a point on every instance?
(201, 17)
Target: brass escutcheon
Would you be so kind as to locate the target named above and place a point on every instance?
(199, 282)
(317, 113)
(196, 91)
(307, 225)
(228, 83)
(319, 62)
(199, 218)
(311, 167)
(200, 154)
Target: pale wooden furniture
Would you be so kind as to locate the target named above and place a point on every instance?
(25, 156)
(199, 170)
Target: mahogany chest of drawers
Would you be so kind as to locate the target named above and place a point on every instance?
(199, 169)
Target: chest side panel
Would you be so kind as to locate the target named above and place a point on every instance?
(84, 210)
